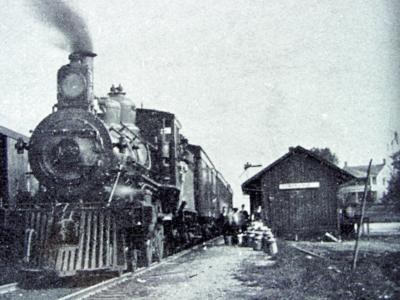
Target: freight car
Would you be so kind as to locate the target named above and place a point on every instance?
(117, 184)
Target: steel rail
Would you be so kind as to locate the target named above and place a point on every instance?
(8, 288)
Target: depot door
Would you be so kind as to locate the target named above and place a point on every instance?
(301, 209)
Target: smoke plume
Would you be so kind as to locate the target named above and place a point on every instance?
(57, 13)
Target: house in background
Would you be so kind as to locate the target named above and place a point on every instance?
(380, 175)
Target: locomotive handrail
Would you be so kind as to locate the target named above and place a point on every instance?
(114, 186)
(139, 137)
(136, 137)
(150, 180)
(131, 131)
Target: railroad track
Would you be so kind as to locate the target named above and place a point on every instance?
(7, 288)
(13, 291)
(108, 284)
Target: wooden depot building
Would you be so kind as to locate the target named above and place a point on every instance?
(298, 194)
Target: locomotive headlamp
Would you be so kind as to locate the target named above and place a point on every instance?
(73, 85)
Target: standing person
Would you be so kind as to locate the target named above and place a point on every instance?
(228, 220)
(235, 225)
(258, 214)
(221, 221)
(180, 224)
(244, 219)
(257, 218)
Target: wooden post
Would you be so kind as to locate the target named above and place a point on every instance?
(359, 228)
(339, 220)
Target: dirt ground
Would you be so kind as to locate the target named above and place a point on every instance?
(227, 272)
(298, 275)
(208, 273)
(222, 272)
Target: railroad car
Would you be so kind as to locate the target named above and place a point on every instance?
(212, 192)
(15, 182)
(118, 185)
(15, 174)
(224, 192)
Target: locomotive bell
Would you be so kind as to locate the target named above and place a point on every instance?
(75, 81)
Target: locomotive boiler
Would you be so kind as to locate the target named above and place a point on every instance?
(112, 178)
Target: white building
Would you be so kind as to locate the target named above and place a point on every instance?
(378, 184)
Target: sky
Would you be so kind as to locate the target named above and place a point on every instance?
(247, 79)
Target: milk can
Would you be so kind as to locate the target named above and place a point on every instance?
(245, 239)
(240, 239)
(265, 244)
(257, 244)
(251, 237)
(228, 240)
(273, 247)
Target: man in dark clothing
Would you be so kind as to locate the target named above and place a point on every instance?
(180, 224)
(234, 222)
(244, 219)
(221, 221)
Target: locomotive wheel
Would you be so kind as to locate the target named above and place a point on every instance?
(153, 247)
(158, 243)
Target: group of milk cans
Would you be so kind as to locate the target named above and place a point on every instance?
(260, 238)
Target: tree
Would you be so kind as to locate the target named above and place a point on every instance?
(393, 193)
(326, 154)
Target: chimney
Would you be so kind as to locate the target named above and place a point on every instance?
(345, 164)
(384, 161)
(291, 149)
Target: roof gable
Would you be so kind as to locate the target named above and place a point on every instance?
(361, 171)
(293, 151)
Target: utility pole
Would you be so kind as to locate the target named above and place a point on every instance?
(360, 224)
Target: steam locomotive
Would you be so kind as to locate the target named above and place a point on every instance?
(119, 186)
